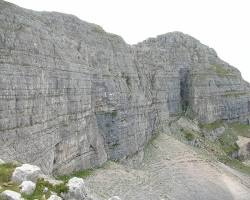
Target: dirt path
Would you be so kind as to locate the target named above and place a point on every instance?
(170, 170)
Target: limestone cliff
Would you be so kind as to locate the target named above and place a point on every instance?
(73, 96)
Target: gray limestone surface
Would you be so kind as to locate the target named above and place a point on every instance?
(73, 96)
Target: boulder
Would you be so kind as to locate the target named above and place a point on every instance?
(77, 189)
(27, 187)
(45, 190)
(114, 198)
(1, 162)
(54, 197)
(26, 172)
(244, 145)
(10, 195)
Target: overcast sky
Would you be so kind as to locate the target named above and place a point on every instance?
(221, 24)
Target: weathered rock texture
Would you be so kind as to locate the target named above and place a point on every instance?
(73, 96)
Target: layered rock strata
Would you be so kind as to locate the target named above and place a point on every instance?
(73, 96)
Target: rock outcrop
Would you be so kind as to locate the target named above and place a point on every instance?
(26, 172)
(27, 187)
(54, 197)
(1, 162)
(10, 195)
(77, 190)
(73, 96)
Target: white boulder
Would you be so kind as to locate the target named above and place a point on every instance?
(26, 172)
(77, 189)
(1, 162)
(10, 195)
(54, 197)
(45, 190)
(114, 198)
(27, 187)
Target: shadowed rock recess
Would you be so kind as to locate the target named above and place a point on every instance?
(73, 96)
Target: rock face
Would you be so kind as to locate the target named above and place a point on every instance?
(73, 96)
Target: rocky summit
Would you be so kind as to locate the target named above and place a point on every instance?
(73, 97)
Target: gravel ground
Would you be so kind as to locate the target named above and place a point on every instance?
(170, 170)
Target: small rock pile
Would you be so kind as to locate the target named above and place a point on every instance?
(27, 176)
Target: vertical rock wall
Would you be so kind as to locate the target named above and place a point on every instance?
(73, 96)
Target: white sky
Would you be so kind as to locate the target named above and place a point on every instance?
(221, 24)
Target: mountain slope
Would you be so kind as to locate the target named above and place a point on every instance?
(73, 96)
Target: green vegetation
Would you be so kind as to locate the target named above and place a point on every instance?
(189, 135)
(233, 94)
(80, 174)
(114, 145)
(228, 143)
(240, 129)
(220, 70)
(114, 113)
(235, 164)
(41, 185)
(98, 29)
(212, 126)
(6, 171)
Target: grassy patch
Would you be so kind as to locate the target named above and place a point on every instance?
(41, 185)
(225, 146)
(212, 126)
(235, 164)
(106, 113)
(241, 129)
(220, 70)
(6, 171)
(228, 142)
(114, 113)
(189, 136)
(80, 174)
(234, 94)
(114, 145)
(98, 29)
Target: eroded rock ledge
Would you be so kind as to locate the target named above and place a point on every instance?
(73, 96)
